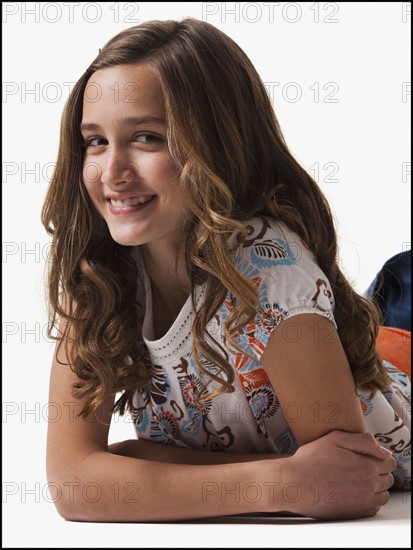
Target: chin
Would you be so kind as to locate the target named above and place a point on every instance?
(127, 239)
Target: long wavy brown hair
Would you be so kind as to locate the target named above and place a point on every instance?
(234, 164)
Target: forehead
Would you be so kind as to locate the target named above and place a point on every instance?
(123, 88)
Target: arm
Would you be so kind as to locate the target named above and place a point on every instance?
(308, 368)
(94, 484)
(136, 489)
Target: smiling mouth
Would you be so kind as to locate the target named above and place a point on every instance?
(131, 202)
(130, 206)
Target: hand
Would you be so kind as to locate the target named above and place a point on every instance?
(341, 476)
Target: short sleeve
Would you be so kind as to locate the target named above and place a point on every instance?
(288, 279)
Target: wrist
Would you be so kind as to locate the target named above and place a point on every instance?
(292, 486)
(281, 490)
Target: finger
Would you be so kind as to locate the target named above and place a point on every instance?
(386, 482)
(388, 465)
(360, 443)
(366, 513)
(382, 498)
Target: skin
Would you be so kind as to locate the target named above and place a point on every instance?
(313, 378)
(138, 480)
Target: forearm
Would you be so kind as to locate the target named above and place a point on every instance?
(339, 476)
(149, 450)
(110, 488)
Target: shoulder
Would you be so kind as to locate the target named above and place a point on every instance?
(271, 243)
(283, 268)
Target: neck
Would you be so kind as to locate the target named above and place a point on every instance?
(170, 282)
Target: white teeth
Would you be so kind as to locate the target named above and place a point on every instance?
(130, 202)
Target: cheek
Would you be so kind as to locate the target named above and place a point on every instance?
(91, 175)
(159, 167)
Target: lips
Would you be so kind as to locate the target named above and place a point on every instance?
(129, 205)
(117, 203)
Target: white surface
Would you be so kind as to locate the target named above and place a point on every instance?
(366, 134)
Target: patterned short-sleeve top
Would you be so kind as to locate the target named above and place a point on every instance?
(251, 418)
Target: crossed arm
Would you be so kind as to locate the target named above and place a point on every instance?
(308, 368)
(144, 481)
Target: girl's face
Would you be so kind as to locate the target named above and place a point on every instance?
(127, 169)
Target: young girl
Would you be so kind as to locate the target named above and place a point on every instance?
(194, 271)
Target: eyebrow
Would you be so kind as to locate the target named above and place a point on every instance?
(130, 121)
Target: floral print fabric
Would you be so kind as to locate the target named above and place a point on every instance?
(251, 418)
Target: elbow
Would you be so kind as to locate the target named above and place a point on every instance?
(74, 496)
(73, 499)
(84, 501)
(70, 512)
(68, 500)
(74, 508)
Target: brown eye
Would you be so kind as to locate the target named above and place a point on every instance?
(149, 138)
(95, 142)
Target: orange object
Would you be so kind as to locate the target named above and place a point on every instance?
(394, 345)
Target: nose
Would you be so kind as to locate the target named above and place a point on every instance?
(118, 167)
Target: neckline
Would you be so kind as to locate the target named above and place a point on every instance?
(178, 339)
(147, 329)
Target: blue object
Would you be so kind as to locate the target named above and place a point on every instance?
(391, 290)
